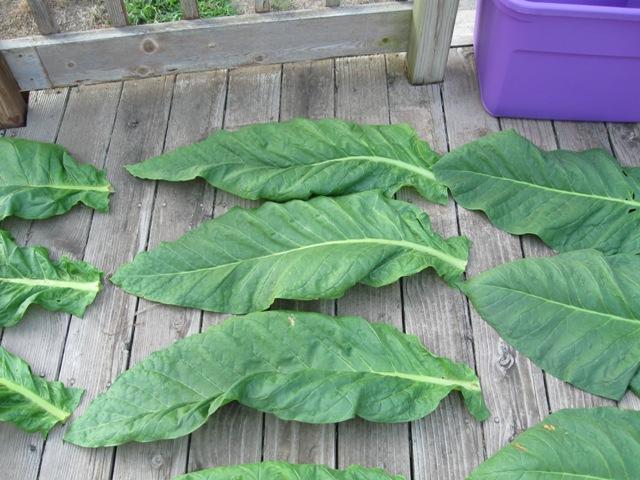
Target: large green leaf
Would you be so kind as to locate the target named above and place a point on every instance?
(299, 366)
(288, 471)
(570, 200)
(576, 315)
(242, 261)
(30, 402)
(578, 444)
(303, 158)
(40, 180)
(28, 276)
(635, 384)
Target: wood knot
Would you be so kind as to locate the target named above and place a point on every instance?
(507, 357)
(149, 45)
(157, 461)
(143, 71)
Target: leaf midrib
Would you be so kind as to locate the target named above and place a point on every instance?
(37, 282)
(456, 262)
(633, 321)
(82, 188)
(548, 472)
(426, 173)
(468, 385)
(555, 190)
(48, 407)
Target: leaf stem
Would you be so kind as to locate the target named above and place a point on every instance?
(37, 282)
(48, 407)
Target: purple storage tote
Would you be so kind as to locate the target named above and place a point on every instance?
(559, 59)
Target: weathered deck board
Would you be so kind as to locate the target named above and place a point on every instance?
(307, 90)
(361, 96)
(542, 133)
(40, 332)
(625, 142)
(234, 435)
(513, 387)
(98, 346)
(116, 124)
(197, 108)
(444, 444)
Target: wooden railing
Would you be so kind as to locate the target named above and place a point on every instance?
(422, 28)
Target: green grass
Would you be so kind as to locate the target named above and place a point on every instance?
(158, 11)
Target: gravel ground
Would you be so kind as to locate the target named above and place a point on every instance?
(76, 15)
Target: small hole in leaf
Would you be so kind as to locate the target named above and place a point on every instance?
(632, 210)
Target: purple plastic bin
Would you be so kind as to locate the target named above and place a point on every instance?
(559, 59)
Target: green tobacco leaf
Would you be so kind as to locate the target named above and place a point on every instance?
(288, 471)
(576, 315)
(570, 200)
(303, 158)
(635, 384)
(28, 401)
(242, 261)
(40, 180)
(28, 276)
(578, 444)
(299, 366)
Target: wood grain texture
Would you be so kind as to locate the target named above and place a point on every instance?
(179, 56)
(189, 9)
(117, 12)
(513, 387)
(224, 42)
(26, 68)
(13, 108)
(430, 36)
(98, 346)
(262, 6)
(45, 22)
(196, 110)
(39, 332)
(234, 434)
(361, 96)
(444, 444)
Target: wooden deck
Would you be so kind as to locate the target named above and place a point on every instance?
(114, 124)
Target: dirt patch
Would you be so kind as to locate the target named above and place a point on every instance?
(70, 15)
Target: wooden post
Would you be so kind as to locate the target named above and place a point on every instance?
(117, 12)
(13, 108)
(430, 39)
(189, 9)
(263, 6)
(46, 24)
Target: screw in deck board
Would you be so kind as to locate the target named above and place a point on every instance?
(432, 25)
(13, 108)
